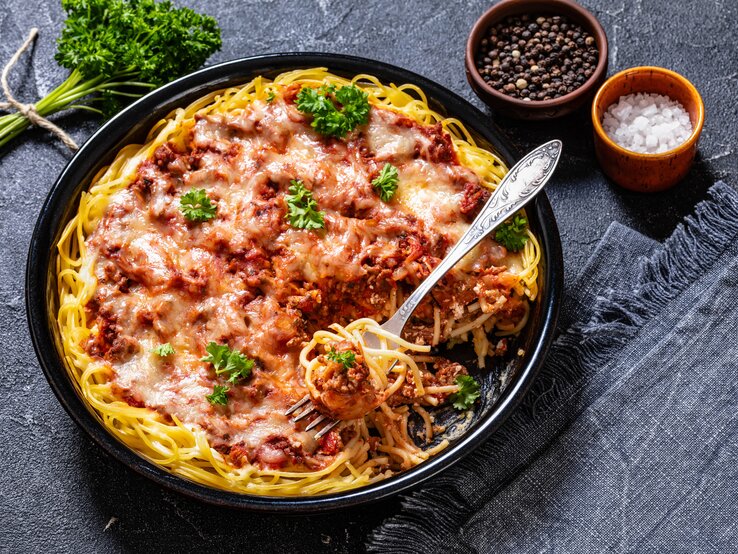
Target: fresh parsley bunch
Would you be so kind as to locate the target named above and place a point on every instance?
(329, 119)
(118, 50)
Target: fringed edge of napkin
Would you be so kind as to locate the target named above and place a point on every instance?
(691, 250)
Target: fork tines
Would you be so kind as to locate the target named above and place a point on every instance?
(306, 412)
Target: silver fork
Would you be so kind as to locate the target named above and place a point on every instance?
(520, 185)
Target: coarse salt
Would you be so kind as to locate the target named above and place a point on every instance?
(647, 123)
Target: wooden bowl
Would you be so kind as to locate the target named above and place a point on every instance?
(536, 109)
(634, 170)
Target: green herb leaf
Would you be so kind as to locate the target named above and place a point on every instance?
(386, 182)
(196, 206)
(328, 119)
(217, 355)
(219, 395)
(270, 97)
(238, 367)
(155, 39)
(469, 391)
(133, 41)
(118, 50)
(164, 350)
(347, 358)
(226, 361)
(513, 233)
(354, 105)
(302, 208)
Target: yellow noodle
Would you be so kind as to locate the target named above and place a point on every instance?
(183, 449)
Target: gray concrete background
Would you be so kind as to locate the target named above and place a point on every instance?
(58, 491)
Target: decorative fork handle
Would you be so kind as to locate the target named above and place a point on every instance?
(519, 186)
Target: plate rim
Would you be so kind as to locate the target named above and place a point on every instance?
(65, 189)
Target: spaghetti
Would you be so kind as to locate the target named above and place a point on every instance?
(122, 291)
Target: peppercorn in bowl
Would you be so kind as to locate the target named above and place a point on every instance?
(536, 59)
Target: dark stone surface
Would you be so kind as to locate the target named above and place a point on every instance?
(58, 492)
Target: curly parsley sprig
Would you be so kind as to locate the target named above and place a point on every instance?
(118, 50)
(219, 395)
(328, 119)
(386, 182)
(197, 206)
(513, 233)
(469, 391)
(302, 209)
(228, 362)
(346, 358)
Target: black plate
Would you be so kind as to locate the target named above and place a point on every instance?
(131, 125)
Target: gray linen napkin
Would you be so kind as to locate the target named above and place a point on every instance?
(628, 440)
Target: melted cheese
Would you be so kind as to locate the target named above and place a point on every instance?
(249, 279)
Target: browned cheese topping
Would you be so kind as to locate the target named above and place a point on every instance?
(247, 279)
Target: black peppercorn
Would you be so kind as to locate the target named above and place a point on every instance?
(536, 58)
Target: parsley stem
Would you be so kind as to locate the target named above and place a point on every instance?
(113, 46)
(86, 108)
(66, 94)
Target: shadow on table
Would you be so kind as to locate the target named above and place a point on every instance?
(150, 518)
(660, 212)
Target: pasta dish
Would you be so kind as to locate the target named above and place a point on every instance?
(229, 266)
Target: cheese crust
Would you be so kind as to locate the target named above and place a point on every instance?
(248, 279)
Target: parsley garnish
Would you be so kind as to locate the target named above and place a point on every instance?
(302, 208)
(512, 234)
(270, 97)
(347, 358)
(386, 182)
(468, 392)
(238, 367)
(196, 206)
(164, 350)
(217, 355)
(328, 120)
(117, 50)
(231, 362)
(219, 395)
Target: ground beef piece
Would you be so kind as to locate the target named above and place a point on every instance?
(109, 343)
(474, 198)
(406, 393)
(447, 371)
(123, 347)
(278, 452)
(344, 392)
(441, 149)
(330, 444)
(238, 455)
